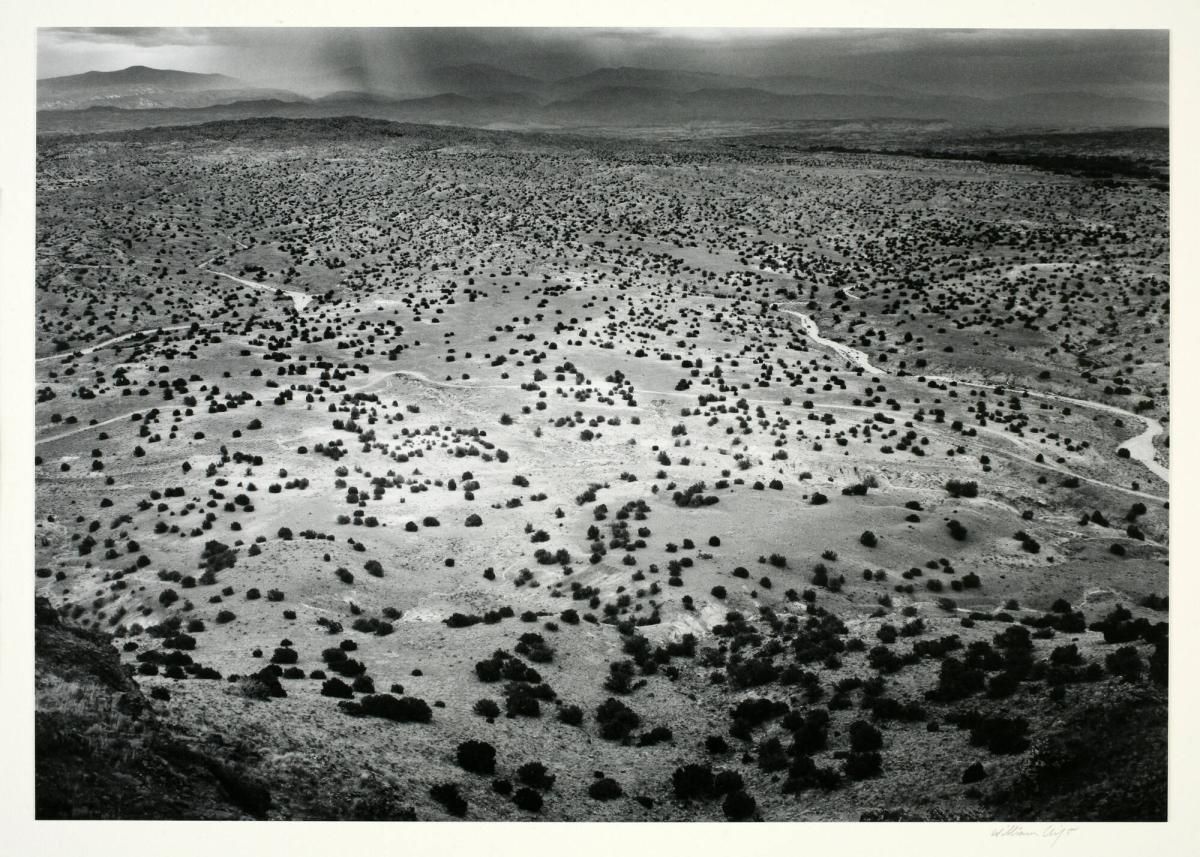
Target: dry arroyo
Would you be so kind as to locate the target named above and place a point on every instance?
(1140, 447)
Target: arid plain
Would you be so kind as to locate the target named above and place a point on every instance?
(430, 473)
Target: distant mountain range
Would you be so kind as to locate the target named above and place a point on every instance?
(482, 95)
(139, 88)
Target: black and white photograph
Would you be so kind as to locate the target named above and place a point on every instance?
(600, 424)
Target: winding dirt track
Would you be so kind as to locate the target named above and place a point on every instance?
(1140, 447)
(300, 299)
(851, 355)
(145, 331)
(82, 429)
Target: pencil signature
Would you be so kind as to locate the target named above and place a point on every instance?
(1052, 834)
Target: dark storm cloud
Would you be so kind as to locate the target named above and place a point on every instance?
(1009, 61)
(979, 62)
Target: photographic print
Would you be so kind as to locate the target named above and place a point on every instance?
(602, 424)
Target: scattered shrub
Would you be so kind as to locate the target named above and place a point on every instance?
(528, 800)
(487, 708)
(860, 766)
(616, 719)
(572, 715)
(1001, 735)
(447, 795)
(1125, 662)
(864, 737)
(738, 806)
(960, 488)
(605, 788)
(534, 775)
(408, 709)
(478, 757)
(693, 781)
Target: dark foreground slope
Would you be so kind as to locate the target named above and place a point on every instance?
(1106, 760)
(101, 751)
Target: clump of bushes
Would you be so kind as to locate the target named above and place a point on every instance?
(534, 647)
(864, 737)
(738, 806)
(528, 800)
(861, 766)
(477, 757)
(285, 656)
(694, 497)
(961, 488)
(407, 709)
(697, 781)
(716, 744)
(605, 788)
(447, 795)
(1125, 662)
(752, 713)
(657, 735)
(620, 677)
(363, 684)
(957, 680)
(502, 665)
(522, 699)
(616, 720)
(693, 781)
(535, 775)
(263, 684)
(487, 708)
(1000, 735)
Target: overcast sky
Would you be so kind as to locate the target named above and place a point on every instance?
(969, 62)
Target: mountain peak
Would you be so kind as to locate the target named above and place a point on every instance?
(140, 75)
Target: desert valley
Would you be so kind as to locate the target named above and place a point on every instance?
(810, 472)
